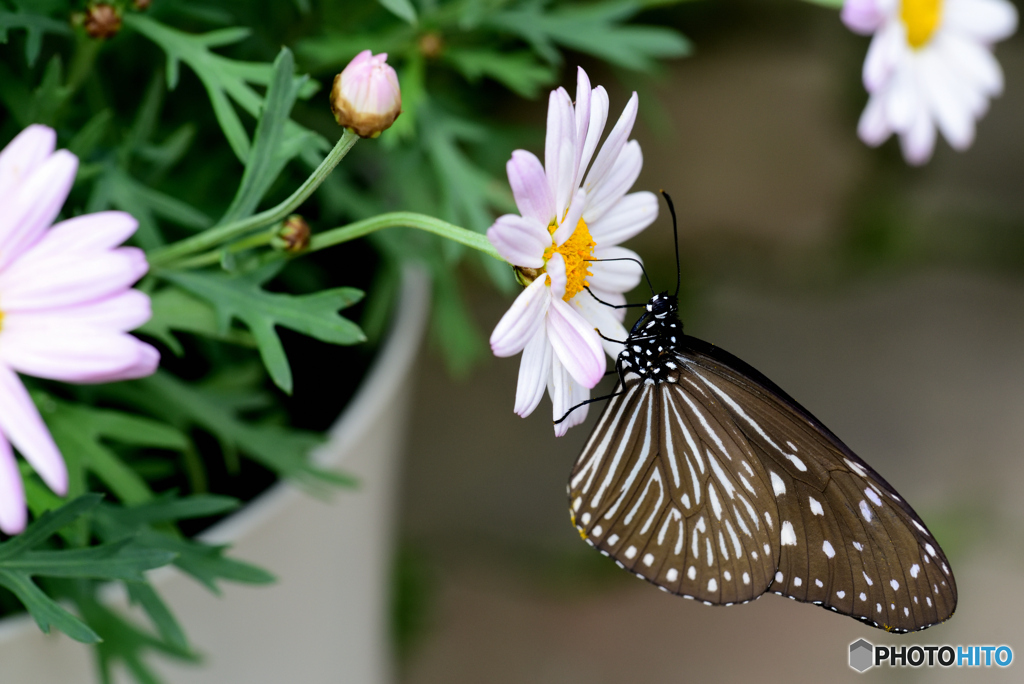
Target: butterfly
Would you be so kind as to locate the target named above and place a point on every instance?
(706, 479)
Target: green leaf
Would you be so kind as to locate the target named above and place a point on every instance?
(117, 561)
(271, 148)
(331, 52)
(47, 524)
(45, 610)
(597, 29)
(518, 71)
(170, 508)
(143, 594)
(281, 449)
(242, 298)
(831, 4)
(402, 9)
(174, 309)
(35, 26)
(226, 80)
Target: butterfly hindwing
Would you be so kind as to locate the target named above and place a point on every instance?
(848, 541)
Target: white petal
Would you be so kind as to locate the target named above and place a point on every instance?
(522, 320)
(582, 120)
(612, 147)
(619, 275)
(534, 373)
(873, 128)
(122, 312)
(80, 355)
(21, 422)
(12, 492)
(576, 344)
(560, 149)
(986, 20)
(902, 97)
(572, 218)
(530, 187)
(973, 61)
(521, 241)
(918, 141)
(603, 318)
(952, 113)
(101, 231)
(863, 16)
(598, 119)
(36, 204)
(565, 394)
(626, 218)
(556, 272)
(22, 156)
(66, 280)
(616, 183)
(885, 52)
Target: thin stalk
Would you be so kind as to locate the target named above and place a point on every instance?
(407, 219)
(218, 235)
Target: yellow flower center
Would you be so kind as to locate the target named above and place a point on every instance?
(577, 252)
(921, 18)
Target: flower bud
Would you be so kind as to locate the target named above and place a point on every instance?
(293, 236)
(366, 97)
(102, 20)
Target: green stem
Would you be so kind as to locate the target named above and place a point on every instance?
(214, 256)
(218, 235)
(405, 219)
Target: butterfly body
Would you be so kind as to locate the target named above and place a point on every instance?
(706, 479)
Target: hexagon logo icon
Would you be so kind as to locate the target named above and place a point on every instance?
(861, 655)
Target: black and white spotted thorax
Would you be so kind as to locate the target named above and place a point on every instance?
(651, 351)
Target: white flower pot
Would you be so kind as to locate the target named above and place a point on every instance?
(326, 618)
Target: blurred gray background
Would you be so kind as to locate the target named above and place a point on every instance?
(888, 300)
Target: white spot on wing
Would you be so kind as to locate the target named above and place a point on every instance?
(819, 583)
(672, 575)
(692, 573)
(841, 594)
(870, 583)
(895, 585)
(797, 581)
(797, 462)
(816, 508)
(613, 539)
(865, 511)
(914, 569)
(712, 584)
(870, 493)
(746, 578)
(630, 552)
(648, 559)
(777, 484)
(788, 535)
(827, 548)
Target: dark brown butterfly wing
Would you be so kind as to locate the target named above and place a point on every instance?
(715, 484)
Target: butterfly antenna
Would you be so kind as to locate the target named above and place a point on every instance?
(675, 235)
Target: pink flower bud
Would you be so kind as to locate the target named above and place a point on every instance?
(366, 97)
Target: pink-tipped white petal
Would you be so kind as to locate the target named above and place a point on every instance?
(604, 319)
(522, 320)
(35, 205)
(615, 183)
(530, 188)
(621, 275)
(521, 241)
(121, 312)
(145, 363)
(76, 236)
(918, 141)
(863, 16)
(949, 108)
(83, 355)
(13, 515)
(612, 147)
(625, 218)
(22, 156)
(534, 369)
(68, 281)
(887, 49)
(560, 149)
(988, 21)
(974, 62)
(21, 422)
(576, 343)
(582, 121)
(557, 276)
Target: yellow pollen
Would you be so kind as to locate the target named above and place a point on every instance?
(921, 18)
(577, 252)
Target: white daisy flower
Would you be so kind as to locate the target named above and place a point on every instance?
(930, 65)
(564, 230)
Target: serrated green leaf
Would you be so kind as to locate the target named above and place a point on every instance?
(168, 509)
(47, 524)
(35, 26)
(174, 309)
(143, 594)
(402, 9)
(242, 298)
(45, 610)
(116, 561)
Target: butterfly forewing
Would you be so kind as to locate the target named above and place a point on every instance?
(706, 479)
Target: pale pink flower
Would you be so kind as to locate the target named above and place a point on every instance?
(570, 219)
(365, 96)
(930, 65)
(66, 305)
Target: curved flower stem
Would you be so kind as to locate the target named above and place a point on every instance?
(407, 219)
(218, 235)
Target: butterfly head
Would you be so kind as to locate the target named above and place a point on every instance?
(663, 306)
